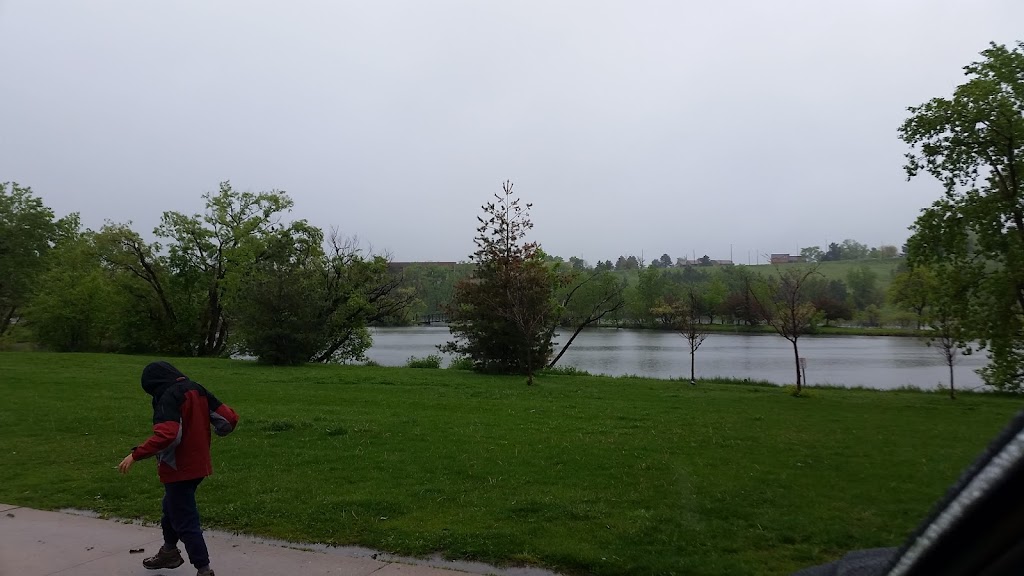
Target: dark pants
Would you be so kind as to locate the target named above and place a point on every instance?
(181, 521)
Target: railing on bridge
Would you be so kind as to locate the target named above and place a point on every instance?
(434, 318)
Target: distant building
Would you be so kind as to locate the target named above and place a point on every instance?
(787, 259)
(685, 263)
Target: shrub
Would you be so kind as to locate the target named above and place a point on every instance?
(461, 363)
(432, 361)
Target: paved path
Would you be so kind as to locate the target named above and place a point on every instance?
(37, 543)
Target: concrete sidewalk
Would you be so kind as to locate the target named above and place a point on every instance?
(37, 543)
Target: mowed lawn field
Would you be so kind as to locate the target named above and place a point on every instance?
(584, 475)
(884, 269)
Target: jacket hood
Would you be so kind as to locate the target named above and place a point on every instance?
(158, 376)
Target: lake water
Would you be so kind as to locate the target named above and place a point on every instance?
(871, 361)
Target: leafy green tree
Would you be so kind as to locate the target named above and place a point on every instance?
(834, 253)
(28, 230)
(358, 291)
(75, 302)
(863, 284)
(912, 290)
(739, 304)
(888, 251)
(277, 304)
(632, 263)
(299, 304)
(713, 294)
(176, 293)
(853, 250)
(501, 317)
(665, 260)
(229, 237)
(148, 320)
(787, 307)
(871, 316)
(812, 253)
(830, 298)
(620, 264)
(651, 289)
(973, 143)
(704, 260)
(833, 310)
(578, 263)
(433, 284)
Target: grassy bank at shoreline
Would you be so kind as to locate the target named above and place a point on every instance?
(584, 474)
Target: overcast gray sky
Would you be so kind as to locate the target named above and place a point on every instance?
(632, 126)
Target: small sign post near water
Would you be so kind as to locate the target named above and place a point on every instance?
(803, 369)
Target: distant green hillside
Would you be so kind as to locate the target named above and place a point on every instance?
(885, 269)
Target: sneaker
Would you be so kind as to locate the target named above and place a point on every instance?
(164, 559)
(205, 572)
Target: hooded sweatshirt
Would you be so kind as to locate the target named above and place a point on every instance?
(183, 412)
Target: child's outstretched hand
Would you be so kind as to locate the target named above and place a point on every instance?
(126, 464)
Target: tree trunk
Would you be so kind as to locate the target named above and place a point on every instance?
(337, 343)
(211, 319)
(799, 379)
(952, 390)
(222, 337)
(529, 365)
(7, 320)
(692, 379)
(566, 346)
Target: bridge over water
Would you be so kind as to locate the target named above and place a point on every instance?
(434, 319)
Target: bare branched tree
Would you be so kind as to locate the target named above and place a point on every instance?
(359, 291)
(590, 298)
(689, 325)
(787, 307)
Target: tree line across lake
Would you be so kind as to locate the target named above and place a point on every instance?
(220, 281)
(239, 279)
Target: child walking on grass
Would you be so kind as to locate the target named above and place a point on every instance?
(183, 412)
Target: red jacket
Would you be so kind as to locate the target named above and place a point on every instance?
(183, 412)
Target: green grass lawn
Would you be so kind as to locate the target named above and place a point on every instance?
(581, 474)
